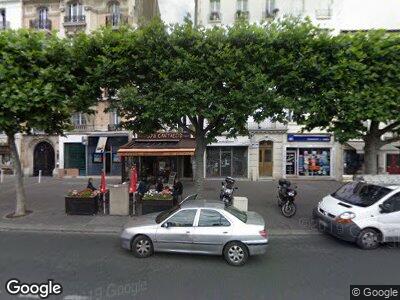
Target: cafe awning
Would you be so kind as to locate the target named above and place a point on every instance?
(146, 147)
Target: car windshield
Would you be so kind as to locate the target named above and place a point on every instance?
(165, 214)
(241, 215)
(361, 193)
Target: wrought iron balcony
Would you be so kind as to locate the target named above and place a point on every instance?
(78, 20)
(242, 14)
(84, 127)
(270, 14)
(215, 16)
(40, 24)
(4, 25)
(116, 20)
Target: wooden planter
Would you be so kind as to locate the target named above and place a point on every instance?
(150, 206)
(81, 206)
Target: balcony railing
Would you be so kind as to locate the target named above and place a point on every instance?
(270, 14)
(78, 20)
(115, 127)
(241, 14)
(215, 16)
(40, 24)
(116, 20)
(322, 14)
(4, 25)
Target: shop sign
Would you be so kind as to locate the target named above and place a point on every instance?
(308, 138)
(163, 136)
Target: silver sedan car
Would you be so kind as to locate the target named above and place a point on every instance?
(201, 227)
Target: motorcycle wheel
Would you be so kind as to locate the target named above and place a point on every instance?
(289, 209)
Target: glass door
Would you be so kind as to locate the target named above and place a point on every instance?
(265, 166)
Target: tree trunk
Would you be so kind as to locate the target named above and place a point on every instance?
(20, 209)
(199, 165)
(372, 143)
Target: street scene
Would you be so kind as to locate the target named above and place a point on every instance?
(211, 149)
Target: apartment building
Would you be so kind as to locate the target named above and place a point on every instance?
(93, 143)
(337, 15)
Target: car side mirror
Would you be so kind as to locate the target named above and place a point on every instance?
(386, 208)
(167, 224)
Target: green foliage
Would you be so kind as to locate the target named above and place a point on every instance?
(41, 81)
(358, 84)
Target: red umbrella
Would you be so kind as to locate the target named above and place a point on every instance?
(133, 180)
(103, 185)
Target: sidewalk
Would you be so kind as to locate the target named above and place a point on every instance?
(46, 200)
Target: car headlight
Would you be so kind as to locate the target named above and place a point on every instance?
(346, 217)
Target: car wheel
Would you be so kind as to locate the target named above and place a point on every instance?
(142, 246)
(236, 254)
(368, 239)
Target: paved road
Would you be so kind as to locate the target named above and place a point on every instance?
(296, 267)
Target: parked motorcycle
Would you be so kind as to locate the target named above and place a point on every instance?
(286, 197)
(226, 194)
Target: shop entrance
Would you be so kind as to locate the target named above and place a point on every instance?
(43, 159)
(265, 165)
(291, 162)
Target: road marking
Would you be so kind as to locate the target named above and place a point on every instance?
(75, 297)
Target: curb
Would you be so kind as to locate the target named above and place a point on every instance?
(117, 230)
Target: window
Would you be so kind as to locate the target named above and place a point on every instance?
(79, 119)
(3, 21)
(324, 10)
(114, 18)
(394, 202)
(314, 162)
(215, 10)
(184, 218)
(226, 161)
(361, 193)
(75, 12)
(42, 18)
(115, 118)
(270, 7)
(241, 215)
(211, 218)
(241, 5)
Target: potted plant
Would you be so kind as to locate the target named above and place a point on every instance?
(82, 203)
(153, 201)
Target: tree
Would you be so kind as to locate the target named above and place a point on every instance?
(41, 77)
(211, 77)
(359, 95)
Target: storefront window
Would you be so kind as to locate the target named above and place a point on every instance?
(314, 162)
(393, 163)
(352, 162)
(226, 161)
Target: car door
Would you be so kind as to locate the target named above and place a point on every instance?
(175, 233)
(389, 218)
(213, 230)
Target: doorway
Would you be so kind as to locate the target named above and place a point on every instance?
(265, 160)
(43, 159)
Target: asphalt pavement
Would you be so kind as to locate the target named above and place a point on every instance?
(95, 267)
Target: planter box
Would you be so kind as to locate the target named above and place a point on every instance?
(81, 206)
(149, 206)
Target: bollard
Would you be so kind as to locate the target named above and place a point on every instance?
(40, 176)
(1, 175)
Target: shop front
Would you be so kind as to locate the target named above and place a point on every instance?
(157, 156)
(5, 159)
(310, 155)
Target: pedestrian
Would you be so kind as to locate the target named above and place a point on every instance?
(177, 191)
(159, 185)
(90, 185)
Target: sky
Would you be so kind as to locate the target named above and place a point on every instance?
(173, 11)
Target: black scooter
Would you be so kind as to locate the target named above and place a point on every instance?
(227, 188)
(286, 197)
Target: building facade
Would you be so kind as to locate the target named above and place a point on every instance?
(337, 15)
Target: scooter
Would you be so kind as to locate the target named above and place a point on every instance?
(286, 197)
(226, 193)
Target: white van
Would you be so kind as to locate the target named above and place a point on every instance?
(361, 212)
